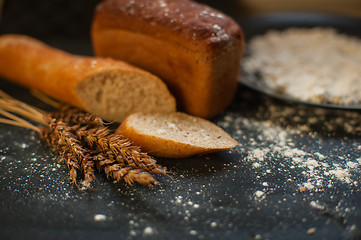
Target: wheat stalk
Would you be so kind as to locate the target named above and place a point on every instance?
(84, 142)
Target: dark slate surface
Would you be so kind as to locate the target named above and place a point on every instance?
(210, 197)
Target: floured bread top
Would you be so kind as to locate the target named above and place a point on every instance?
(192, 20)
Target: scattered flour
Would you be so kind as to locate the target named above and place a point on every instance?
(259, 194)
(273, 146)
(148, 231)
(100, 217)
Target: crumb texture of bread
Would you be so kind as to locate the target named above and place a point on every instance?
(109, 88)
(123, 93)
(195, 49)
(175, 135)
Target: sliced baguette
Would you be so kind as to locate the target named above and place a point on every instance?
(109, 88)
(174, 135)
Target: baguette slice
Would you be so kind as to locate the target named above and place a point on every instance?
(174, 135)
(109, 88)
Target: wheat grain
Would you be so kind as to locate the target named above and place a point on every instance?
(85, 143)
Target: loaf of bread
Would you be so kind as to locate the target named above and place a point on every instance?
(195, 49)
(108, 88)
(174, 135)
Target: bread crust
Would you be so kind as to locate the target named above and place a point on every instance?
(33, 64)
(174, 21)
(195, 49)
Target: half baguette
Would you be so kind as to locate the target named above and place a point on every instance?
(174, 135)
(109, 88)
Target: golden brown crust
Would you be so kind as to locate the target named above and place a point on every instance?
(31, 63)
(195, 49)
(176, 21)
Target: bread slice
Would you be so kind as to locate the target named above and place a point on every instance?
(195, 49)
(174, 135)
(109, 88)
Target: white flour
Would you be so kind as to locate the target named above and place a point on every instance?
(273, 148)
(317, 65)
